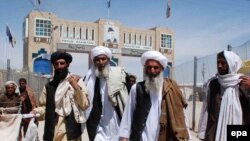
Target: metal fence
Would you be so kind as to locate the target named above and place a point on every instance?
(185, 74)
(191, 76)
(35, 81)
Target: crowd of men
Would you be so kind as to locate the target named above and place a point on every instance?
(111, 106)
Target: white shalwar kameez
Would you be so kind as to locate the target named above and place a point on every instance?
(107, 129)
(151, 130)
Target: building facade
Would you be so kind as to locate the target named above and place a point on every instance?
(44, 33)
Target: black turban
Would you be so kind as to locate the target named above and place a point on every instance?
(60, 55)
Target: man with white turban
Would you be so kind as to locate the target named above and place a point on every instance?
(10, 104)
(155, 107)
(107, 94)
(11, 97)
(227, 100)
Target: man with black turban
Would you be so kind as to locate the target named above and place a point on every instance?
(62, 102)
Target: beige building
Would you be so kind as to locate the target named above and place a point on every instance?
(44, 33)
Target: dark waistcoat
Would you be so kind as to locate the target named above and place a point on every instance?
(142, 108)
(73, 129)
(96, 112)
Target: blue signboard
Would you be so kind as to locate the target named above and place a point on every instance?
(42, 66)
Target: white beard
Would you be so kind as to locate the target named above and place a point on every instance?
(102, 74)
(154, 83)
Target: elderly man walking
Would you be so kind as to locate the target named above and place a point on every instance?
(107, 95)
(62, 102)
(227, 99)
(155, 107)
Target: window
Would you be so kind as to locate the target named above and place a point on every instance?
(140, 40)
(80, 33)
(124, 37)
(150, 41)
(93, 34)
(166, 41)
(87, 33)
(135, 39)
(61, 30)
(43, 28)
(129, 38)
(74, 32)
(67, 32)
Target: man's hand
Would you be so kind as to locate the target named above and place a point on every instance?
(73, 79)
(22, 98)
(245, 80)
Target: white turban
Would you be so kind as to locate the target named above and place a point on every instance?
(14, 83)
(233, 60)
(154, 55)
(100, 50)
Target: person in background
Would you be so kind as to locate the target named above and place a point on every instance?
(156, 107)
(28, 99)
(130, 81)
(62, 102)
(227, 99)
(11, 103)
(107, 95)
(11, 98)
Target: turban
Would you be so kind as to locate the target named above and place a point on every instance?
(61, 55)
(14, 83)
(100, 50)
(233, 60)
(154, 55)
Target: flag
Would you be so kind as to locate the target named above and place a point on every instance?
(12, 39)
(108, 3)
(168, 9)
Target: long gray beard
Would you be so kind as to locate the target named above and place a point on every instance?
(102, 74)
(154, 83)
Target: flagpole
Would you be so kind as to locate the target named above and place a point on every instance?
(4, 52)
(108, 4)
(108, 13)
(35, 3)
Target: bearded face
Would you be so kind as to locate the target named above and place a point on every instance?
(153, 75)
(60, 75)
(153, 83)
(61, 69)
(222, 66)
(103, 73)
(10, 89)
(101, 66)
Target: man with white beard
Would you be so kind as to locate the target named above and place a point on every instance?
(107, 95)
(155, 107)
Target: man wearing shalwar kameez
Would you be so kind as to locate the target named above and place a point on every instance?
(155, 110)
(227, 99)
(107, 94)
(62, 102)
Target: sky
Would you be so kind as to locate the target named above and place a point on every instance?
(201, 27)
